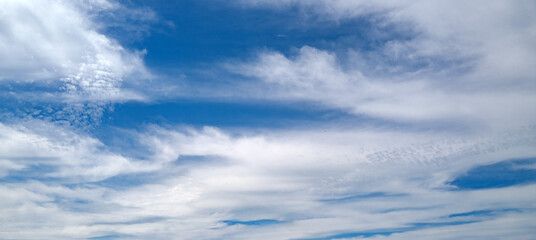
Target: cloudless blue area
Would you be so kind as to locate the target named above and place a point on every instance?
(124, 181)
(261, 222)
(111, 236)
(387, 232)
(138, 221)
(407, 209)
(490, 212)
(363, 196)
(30, 173)
(205, 113)
(472, 213)
(501, 174)
(356, 234)
(206, 31)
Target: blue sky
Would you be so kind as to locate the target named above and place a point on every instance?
(267, 119)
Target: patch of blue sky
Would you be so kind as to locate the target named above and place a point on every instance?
(211, 32)
(230, 115)
(225, 114)
(483, 213)
(134, 222)
(502, 174)
(77, 205)
(408, 209)
(188, 43)
(15, 105)
(198, 160)
(111, 236)
(31, 172)
(81, 204)
(356, 235)
(390, 231)
(40, 172)
(42, 106)
(359, 197)
(123, 139)
(126, 181)
(206, 32)
(260, 222)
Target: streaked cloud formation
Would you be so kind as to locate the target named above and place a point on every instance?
(433, 137)
(459, 65)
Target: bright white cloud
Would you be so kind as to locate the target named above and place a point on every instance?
(58, 43)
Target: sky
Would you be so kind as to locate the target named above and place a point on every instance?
(267, 119)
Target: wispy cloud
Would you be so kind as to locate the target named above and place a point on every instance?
(450, 101)
(288, 177)
(472, 69)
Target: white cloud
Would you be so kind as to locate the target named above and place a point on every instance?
(193, 179)
(204, 176)
(315, 75)
(512, 226)
(58, 43)
(6, 166)
(466, 62)
(284, 175)
(74, 157)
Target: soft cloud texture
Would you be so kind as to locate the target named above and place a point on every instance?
(466, 61)
(57, 43)
(66, 154)
(315, 75)
(60, 64)
(456, 94)
(193, 180)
